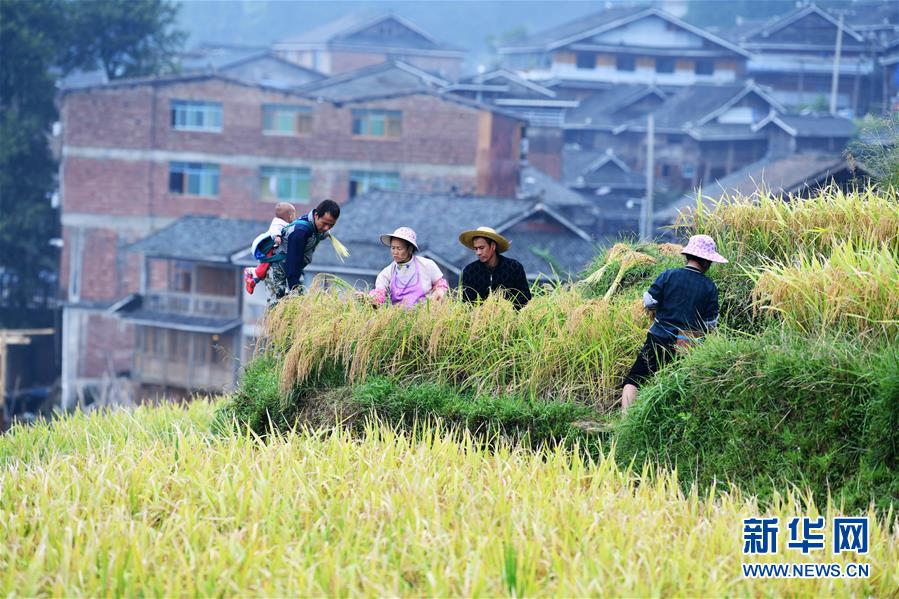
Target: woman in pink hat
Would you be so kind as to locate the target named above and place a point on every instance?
(685, 302)
(409, 279)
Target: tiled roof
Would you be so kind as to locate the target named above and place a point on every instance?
(818, 125)
(609, 108)
(438, 219)
(538, 185)
(201, 238)
(606, 20)
(386, 78)
(576, 26)
(594, 169)
(694, 102)
(344, 32)
(788, 174)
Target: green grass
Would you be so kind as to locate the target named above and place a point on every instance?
(259, 406)
(772, 411)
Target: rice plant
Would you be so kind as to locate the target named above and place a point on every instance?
(559, 346)
(769, 225)
(853, 290)
(147, 503)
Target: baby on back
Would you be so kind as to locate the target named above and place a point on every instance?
(267, 244)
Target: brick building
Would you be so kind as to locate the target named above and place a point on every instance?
(139, 154)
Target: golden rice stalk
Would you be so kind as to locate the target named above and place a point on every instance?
(618, 250)
(629, 260)
(144, 503)
(339, 248)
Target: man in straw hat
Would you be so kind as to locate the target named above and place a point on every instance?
(492, 271)
(685, 302)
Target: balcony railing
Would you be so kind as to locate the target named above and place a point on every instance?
(193, 304)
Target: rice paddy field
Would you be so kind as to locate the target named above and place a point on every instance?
(452, 450)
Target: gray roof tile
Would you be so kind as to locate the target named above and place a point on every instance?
(202, 238)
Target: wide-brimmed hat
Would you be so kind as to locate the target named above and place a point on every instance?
(467, 238)
(404, 233)
(703, 246)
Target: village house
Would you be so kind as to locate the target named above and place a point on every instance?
(793, 55)
(253, 65)
(137, 155)
(626, 45)
(359, 40)
(542, 107)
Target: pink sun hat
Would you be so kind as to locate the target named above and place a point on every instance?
(404, 233)
(703, 246)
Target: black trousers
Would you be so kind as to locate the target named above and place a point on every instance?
(654, 354)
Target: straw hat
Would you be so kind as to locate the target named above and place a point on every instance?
(467, 238)
(404, 233)
(703, 246)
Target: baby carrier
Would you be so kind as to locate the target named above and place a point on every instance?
(263, 247)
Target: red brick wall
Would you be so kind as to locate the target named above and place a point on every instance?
(499, 149)
(108, 342)
(435, 132)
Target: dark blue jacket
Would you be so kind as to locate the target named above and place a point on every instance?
(683, 298)
(302, 239)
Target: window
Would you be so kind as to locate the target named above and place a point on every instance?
(284, 183)
(365, 181)
(585, 60)
(281, 119)
(378, 123)
(194, 179)
(704, 66)
(688, 171)
(625, 63)
(664, 65)
(196, 116)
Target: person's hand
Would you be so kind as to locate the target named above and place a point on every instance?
(438, 294)
(278, 240)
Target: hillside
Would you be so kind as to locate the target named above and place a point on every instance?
(458, 450)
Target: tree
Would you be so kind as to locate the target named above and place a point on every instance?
(124, 38)
(39, 41)
(30, 31)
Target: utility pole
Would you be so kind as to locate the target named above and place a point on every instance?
(835, 79)
(646, 226)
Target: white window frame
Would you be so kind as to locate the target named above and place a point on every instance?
(208, 115)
